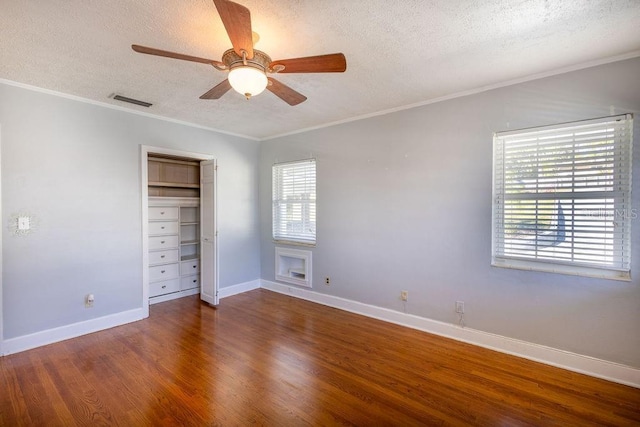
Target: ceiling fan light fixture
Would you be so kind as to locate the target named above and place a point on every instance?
(248, 81)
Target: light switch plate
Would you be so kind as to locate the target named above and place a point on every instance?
(24, 223)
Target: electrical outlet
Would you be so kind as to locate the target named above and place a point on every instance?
(404, 295)
(460, 307)
(88, 301)
(327, 281)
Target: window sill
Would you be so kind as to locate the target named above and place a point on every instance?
(571, 270)
(292, 243)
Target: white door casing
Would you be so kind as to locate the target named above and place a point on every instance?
(144, 180)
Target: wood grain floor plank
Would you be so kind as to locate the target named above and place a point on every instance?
(268, 359)
(13, 405)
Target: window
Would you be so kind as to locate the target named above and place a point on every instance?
(562, 198)
(294, 202)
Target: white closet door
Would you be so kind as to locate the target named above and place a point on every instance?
(208, 233)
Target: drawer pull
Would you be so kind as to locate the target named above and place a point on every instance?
(195, 280)
(162, 213)
(164, 286)
(162, 271)
(194, 266)
(162, 242)
(162, 256)
(162, 228)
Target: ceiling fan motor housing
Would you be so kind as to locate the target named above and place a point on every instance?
(259, 61)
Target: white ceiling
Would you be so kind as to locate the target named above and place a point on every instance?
(399, 52)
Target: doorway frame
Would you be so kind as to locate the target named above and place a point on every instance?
(145, 150)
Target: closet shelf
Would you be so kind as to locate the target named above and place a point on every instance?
(190, 242)
(172, 184)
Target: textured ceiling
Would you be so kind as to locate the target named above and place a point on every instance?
(398, 52)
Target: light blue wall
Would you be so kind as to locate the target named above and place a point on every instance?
(404, 203)
(76, 168)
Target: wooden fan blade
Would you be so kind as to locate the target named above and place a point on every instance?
(285, 93)
(218, 90)
(167, 54)
(237, 21)
(331, 63)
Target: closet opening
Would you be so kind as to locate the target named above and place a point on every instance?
(179, 230)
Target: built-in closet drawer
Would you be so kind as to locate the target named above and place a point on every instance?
(163, 272)
(189, 267)
(163, 212)
(173, 230)
(164, 287)
(163, 227)
(163, 242)
(163, 257)
(189, 282)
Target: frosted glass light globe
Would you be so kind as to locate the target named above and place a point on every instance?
(247, 81)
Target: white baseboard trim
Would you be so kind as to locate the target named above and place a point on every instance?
(174, 295)
(239, 288)
(50, 336)
(551, 356)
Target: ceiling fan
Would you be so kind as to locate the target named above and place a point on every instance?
(248, 67)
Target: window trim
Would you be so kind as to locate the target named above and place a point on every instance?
(274, 203)
(558, 266)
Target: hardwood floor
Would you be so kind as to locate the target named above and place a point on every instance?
(269, 359)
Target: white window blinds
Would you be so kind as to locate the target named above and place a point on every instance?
(294, 201)
(562, 198)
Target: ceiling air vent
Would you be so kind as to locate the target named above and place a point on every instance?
(131, 100)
